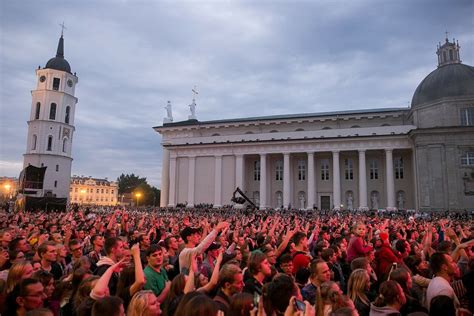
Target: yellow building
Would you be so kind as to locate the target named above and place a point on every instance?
(92, 191)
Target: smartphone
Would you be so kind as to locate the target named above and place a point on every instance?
(300, 305)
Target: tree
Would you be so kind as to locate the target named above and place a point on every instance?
(133, 184)
(128, 183)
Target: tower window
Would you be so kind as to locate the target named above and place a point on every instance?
(324, 169)
(451, 56)
(256, 170)
(68, 111)
(56, 82)
(349, 172)
(467, 116)
(37, 111)
(64, 145)
(399, 168)
(279, 170)
(50, 143)
(57, 168)
(33, 144)
(52, 111)
(55, 183)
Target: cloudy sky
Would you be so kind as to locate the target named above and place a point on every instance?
(247, 58)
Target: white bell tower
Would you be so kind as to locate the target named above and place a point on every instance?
(51, 124)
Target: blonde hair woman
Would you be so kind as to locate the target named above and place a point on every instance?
(18, 272)
(144, 303)
(357, 287)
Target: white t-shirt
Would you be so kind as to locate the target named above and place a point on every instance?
(440, 286)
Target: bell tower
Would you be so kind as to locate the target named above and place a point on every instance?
(448, 53)
(51, 125)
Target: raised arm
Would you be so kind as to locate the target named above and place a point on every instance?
(215, 274)
(101, 288)
(139, 274)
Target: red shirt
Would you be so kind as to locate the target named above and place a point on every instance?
(300, 260)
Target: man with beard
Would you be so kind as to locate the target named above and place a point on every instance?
(445, 270)
(230, 282)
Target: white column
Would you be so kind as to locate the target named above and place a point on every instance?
(172, 188)
(218, 182)
(239, 172)
(362, 182)
(311, 182)
(165, 178)
(263, 181)
(390, 180)
(336, 181)
(191, 174)
(286, 180)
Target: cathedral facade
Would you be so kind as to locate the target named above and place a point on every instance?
(420, 157)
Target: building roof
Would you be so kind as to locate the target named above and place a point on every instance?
(58, 62)
(448, 81)
(281, 117)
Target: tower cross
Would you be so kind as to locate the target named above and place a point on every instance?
(446, 34)
(195, 92)
(62, 28)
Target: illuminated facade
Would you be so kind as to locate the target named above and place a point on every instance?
(92, 191)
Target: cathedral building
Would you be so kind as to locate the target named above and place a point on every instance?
(421, 157)
(50, 130)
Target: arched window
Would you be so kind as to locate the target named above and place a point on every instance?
(256, 198)
(299, 130)
(64, 145)
(327, 127)
(52, 111)
(349, 200)
(355, 126)
(37, 111)
(33, 143)
(216, 134)
(50, 143)
(401, 200)
(385, 124)
(279, 199)
(68, 112)
(273, 131)
(374, 200)
(249, 132)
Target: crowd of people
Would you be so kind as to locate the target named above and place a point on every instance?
(206, 261)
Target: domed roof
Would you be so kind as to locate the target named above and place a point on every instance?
(58, 62)
(453, 80)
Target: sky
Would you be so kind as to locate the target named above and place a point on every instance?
(246, 58)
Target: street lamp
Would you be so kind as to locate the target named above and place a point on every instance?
(7, 187)
(138, 195)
